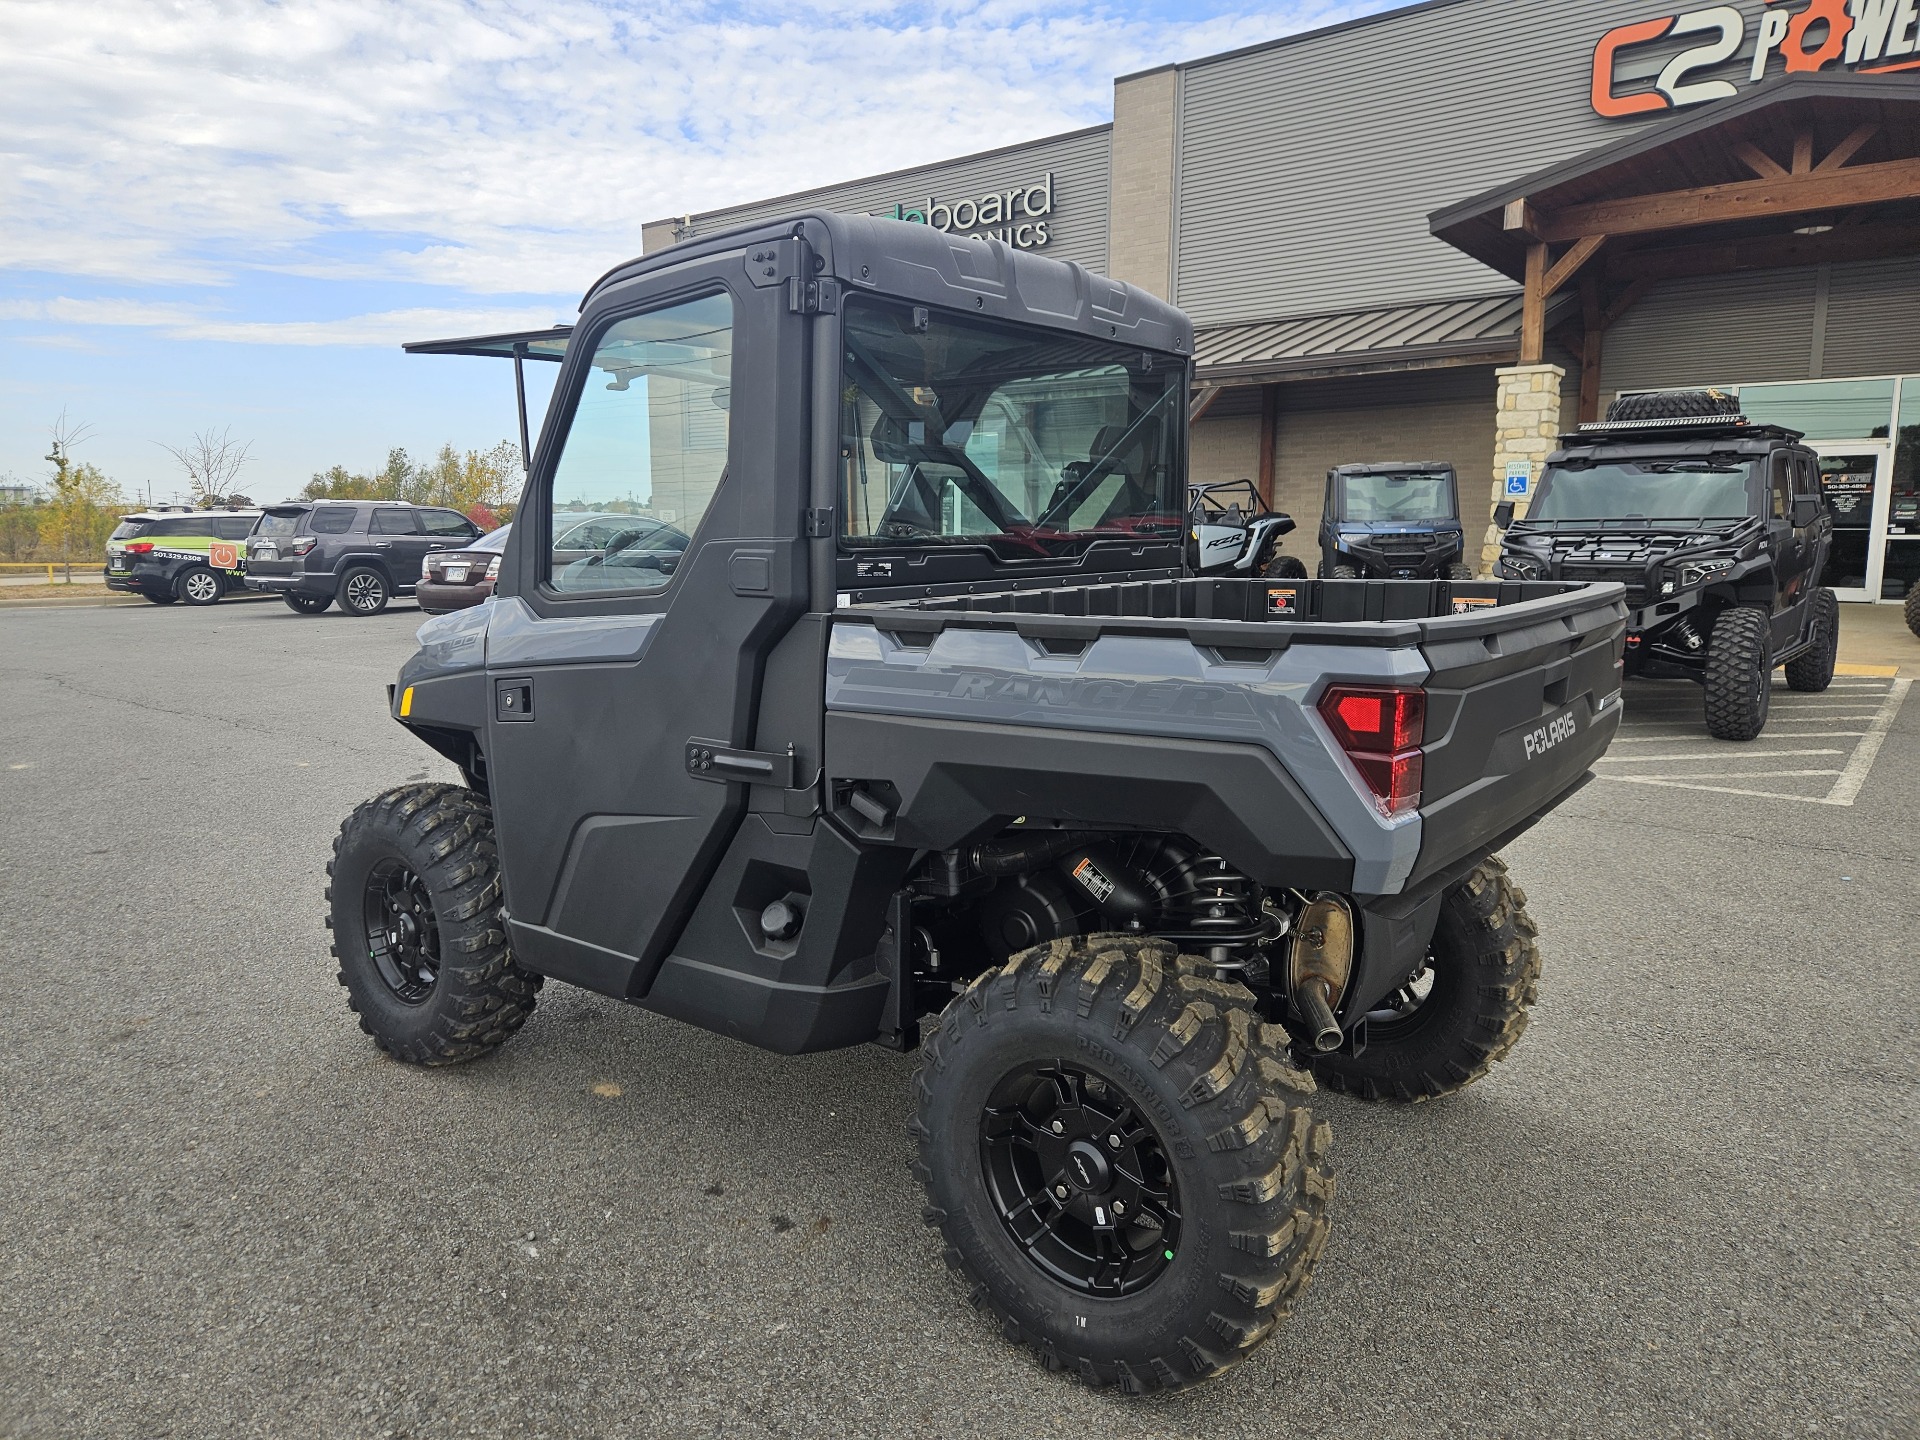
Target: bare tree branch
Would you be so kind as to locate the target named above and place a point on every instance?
(212, 462)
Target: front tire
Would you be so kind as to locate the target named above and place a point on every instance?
(1739, 677)
(1286, 567)
(1463, 1011)
(1459, 572)
(1120, 1157)
(364, 591)
(414, 902)
(1343, 572)
(1812, 670)
(306, 604)
(1913, 609)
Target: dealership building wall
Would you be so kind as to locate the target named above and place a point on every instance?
(1286, 197)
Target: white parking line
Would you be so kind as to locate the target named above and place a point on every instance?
(1716, 754)
(1848, 780)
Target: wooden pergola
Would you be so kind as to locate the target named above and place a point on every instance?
(1808, 170)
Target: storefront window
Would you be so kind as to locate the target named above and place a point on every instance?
(1902, 570)
(1823, 410)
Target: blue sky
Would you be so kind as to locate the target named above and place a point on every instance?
(217, 214)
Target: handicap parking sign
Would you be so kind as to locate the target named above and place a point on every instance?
(1519, 473)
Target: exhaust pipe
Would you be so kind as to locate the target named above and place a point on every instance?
(1311, 1001)
(1319, 964)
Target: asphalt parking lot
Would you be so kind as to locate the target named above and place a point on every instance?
(1686, 1206)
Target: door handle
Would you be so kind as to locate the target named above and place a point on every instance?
(383, 544)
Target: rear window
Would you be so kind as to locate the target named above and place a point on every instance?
(331, 520)
(278, 524)
(492, 541)
(130, 530)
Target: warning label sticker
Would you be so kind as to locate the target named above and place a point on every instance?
(1097, 885)
(1467, 604)
(1283, 600)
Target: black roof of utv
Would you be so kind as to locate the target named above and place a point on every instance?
(865, 253)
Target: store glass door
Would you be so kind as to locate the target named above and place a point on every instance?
(1855, 480)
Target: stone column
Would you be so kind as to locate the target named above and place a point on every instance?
(1140, 204)
(1527, 425)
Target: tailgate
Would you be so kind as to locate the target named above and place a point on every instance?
(1516, 716)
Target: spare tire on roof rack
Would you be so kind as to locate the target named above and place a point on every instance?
(1674, 405)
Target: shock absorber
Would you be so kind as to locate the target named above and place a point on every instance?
(1223, 902)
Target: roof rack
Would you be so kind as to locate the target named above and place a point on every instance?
(1705, 425)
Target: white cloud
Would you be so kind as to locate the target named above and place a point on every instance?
(182, 322)
(506, 146)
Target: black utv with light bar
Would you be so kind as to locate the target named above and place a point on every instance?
(927, 738)
(1717, 528)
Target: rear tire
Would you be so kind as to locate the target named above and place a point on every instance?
(364, 591)
(1913, 609)
(1460, 572)
(1739, 678)
(198, 585)
(1286, 567)
(307, 604)
(1463, 1011)
(1812, 670)
(1343, 572)
(1120, 1038)
(414, 903)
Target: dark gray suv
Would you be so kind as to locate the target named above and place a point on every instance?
(359, 552)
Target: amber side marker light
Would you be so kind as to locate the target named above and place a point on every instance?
(406, 702)
(1381, 729)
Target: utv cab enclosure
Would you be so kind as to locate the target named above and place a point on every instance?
(1393, 520)
(927, 738)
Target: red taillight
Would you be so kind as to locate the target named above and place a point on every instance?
(140, 547)
(1381, 731)
(302, 545)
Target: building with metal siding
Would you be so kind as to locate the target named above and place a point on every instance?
(1349, 216)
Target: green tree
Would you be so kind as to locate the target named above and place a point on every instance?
(81, 510)
(20, 527)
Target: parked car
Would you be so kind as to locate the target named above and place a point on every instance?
(642, 552)
(585, 535)
(454, 579)
(360, 552)
(166, 556)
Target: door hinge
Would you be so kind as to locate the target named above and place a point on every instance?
(812, 297)
(819, 523)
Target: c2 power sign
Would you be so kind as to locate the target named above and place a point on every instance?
(1018, 215)
(1798, 36)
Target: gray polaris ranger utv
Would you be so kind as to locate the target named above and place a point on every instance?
(927, 739)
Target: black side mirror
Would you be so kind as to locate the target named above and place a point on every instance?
(1503, 514)
(1806, 511)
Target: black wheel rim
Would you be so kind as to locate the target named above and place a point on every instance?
(1080, 1179)
(403, 937)
(1407, 1008)
(364, 592)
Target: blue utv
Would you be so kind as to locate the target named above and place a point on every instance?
(1393, 520)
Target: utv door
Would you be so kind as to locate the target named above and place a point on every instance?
(682, 401)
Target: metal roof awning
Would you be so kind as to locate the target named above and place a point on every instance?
(1481, 329)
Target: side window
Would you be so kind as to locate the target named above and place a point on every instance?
(1806, 476)
(393, 520)
(648, 439)
(331, 520)
(234, 527)
(448, 524)
(1781, 473)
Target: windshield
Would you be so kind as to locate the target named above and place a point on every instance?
(1028, 442)
(1372, 499)
(1700, 489)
